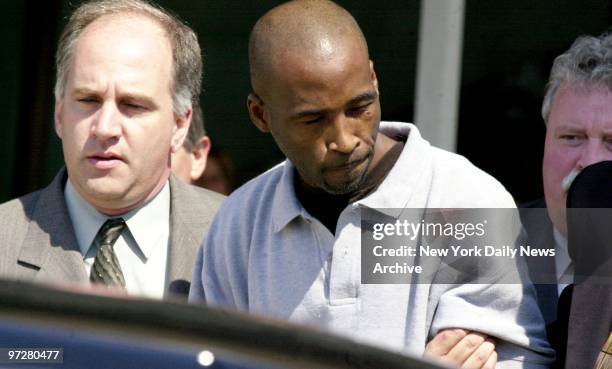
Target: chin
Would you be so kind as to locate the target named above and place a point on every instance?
(343, 188)
(106, 189)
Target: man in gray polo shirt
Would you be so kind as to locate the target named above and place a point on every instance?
(287, 243)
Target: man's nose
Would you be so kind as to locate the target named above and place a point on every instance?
(595, 151)
(341, 136)
(107, 123)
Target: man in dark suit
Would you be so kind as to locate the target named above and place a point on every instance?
(577, 111)
(127, 75)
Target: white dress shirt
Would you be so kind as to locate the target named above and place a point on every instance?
(142, 248)
(564, 268)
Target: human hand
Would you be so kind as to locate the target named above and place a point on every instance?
(463, 349)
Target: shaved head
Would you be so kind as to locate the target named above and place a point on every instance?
(313, 30)
(315, 91)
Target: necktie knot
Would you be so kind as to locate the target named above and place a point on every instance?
(111, 230)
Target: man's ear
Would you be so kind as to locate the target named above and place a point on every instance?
(199, 154)
(180, 129)
(373, 76)
(57, 118)
(258, 112)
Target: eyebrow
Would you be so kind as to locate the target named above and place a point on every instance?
(569, 128)
(84, 91)
(364, 97)
(574, 129)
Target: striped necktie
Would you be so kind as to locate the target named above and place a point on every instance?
(106, 269)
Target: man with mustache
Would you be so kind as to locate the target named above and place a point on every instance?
(287, 243)
(577, 111)
(127, 76)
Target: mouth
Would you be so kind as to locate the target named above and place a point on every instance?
(105, 160)
(347, 166)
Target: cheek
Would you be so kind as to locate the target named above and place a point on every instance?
(151, 135)
(557, 164)
(300, 146)
(559, 161)
(369, 129)
(306, 157)
(74, 136)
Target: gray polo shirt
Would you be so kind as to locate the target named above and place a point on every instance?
(266, 255)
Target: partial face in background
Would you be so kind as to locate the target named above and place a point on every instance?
(323, 113)
(217, 176)
(578, 134)
(189, 165)
(116, 118)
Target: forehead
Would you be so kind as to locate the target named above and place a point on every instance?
(310, 78)
(132, 45)
(580, 104)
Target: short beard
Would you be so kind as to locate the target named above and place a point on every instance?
(349, 188)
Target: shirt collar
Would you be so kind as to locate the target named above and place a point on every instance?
(394, 193)
(145, 224)
(86, 220)
(286, 206)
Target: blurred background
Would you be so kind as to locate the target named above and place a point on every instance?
(508, 49)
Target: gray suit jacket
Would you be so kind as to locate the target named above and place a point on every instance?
(38, 243)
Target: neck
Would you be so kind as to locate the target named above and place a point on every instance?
(323, 206)
(383, 145)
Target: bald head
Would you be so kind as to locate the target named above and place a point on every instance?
(308, 29)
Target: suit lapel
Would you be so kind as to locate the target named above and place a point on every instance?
(189, 215)
(50, 244)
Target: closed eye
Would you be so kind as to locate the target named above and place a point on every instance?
(132, 107)
(310, 117)
(313, 120)
(572, 139)
(135, 106)
(87, 100)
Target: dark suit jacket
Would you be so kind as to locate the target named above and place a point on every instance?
(578, 323)
(38, 242)
(539, 230)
